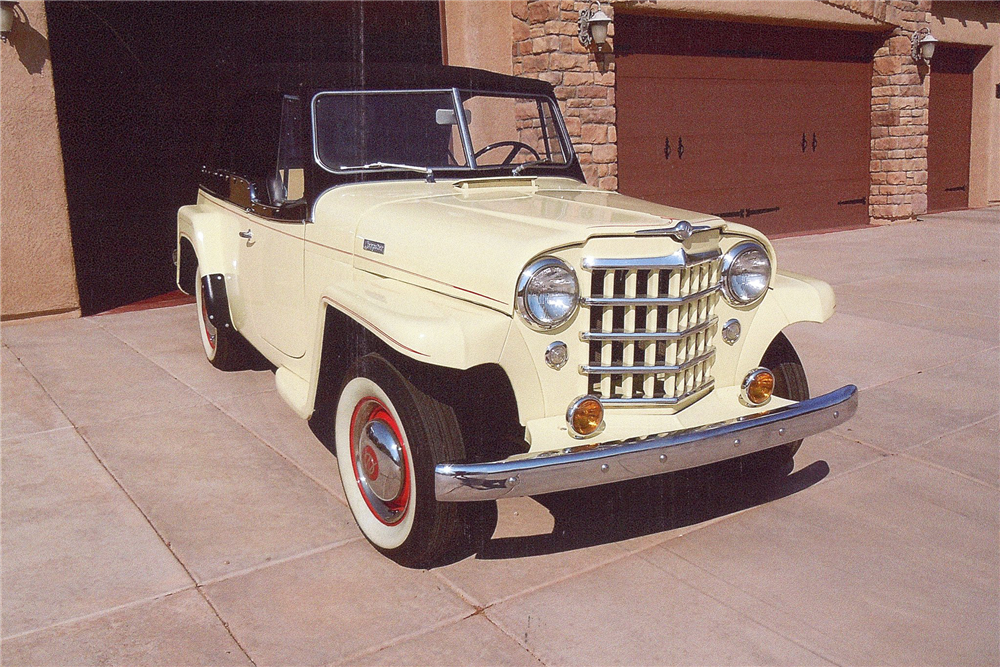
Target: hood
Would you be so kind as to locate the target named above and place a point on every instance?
(473, 238)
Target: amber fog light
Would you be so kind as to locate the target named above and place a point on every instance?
(757, 387)
(585, 416)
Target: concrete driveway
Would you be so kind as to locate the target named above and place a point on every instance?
(157, 511)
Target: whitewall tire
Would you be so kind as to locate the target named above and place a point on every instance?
(388, 437)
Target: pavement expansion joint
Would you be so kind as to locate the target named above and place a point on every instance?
(371, 650)
(769, 627)
(102, 612)
(330, 546)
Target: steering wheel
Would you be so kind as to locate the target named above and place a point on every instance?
(516, 147)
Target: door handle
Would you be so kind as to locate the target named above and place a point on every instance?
(666, 148)
(248, 234)
(814, 142)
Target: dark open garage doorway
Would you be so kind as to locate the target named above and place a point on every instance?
(135, 86)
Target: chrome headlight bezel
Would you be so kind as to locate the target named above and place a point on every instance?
(727, 263)
(531, 318)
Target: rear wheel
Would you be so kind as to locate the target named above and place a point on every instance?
(789, 382)
(224, 347)
(389, 436)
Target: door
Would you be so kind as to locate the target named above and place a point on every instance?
(949, 128)
(763, 125)
(272, 254)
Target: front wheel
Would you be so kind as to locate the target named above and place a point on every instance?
(389, 436)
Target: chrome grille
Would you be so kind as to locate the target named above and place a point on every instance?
(652, 323)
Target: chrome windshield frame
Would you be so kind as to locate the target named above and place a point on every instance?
(563, 139)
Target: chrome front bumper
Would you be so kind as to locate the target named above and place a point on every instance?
(590, 465)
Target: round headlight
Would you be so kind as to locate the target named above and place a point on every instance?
(547, 293)
(746, 272)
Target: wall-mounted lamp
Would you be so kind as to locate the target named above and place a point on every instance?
(922, 45)
(6, 18)
(594, 26)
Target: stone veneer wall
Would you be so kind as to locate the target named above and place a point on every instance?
(545, 46)
(900, 91)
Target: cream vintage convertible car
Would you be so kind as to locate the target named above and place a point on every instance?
(416, 252)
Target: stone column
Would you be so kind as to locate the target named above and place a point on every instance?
(900, 89)
(546, 46)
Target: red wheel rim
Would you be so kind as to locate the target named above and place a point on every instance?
(371, 410)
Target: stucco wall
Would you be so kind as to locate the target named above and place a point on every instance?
(477, 34)
(37, 275)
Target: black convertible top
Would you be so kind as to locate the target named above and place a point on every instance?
(298, 78)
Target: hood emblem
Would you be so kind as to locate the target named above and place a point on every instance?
(681, 231)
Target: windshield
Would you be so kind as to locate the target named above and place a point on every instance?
(423, 129)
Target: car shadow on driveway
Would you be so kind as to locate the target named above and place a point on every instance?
(625, 510)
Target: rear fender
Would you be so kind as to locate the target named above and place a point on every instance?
(215, 240)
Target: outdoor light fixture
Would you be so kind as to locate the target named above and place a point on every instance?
(6, 18)
(922, 45)
(594, 26)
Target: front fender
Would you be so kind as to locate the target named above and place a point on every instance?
(421, 324)
(418, 323)
(793, 298)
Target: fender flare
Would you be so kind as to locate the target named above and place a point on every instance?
(794, 298)
(216, 300)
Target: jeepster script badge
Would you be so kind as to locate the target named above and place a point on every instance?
(374, 246)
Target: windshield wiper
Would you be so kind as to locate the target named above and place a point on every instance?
(524, 165)
(392, 165)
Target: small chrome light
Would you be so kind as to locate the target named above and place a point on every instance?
(731, 331)
(585, 416)
(757, 387)
(556, 355)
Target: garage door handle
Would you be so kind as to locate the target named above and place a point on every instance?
(814, 142)
(803, 142)
(248, 234)
(666, 148)
(680, 147)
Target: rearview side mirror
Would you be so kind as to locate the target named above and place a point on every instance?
(448, 117)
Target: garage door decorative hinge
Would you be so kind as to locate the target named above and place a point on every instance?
(747, 212)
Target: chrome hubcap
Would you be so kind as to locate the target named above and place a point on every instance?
(379, 461)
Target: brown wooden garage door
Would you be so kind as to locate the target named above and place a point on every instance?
(765, 125)
(949, 128)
